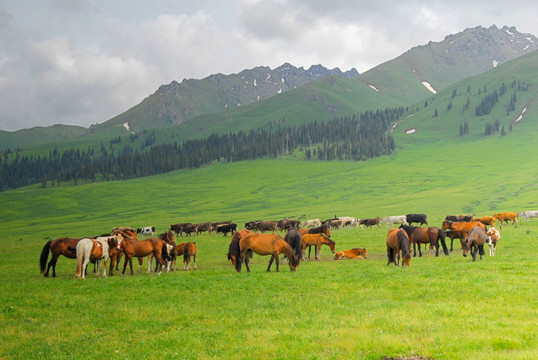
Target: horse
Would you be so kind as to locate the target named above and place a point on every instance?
(505, 217)
(262, 244)
(117, 252)
(188, 252)
(493, 235)
(322, 229)
(455, 234)
(132, 247)
(96, 250)
(57, 247)
(233, 248)
(474, 243)
(426, 235)
(398, 241)
(168, 238)
(295, 240)
(355, 253)
(316, 240)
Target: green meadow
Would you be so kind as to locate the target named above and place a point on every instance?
(440, 307)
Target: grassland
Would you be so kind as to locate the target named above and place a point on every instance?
(443, 308)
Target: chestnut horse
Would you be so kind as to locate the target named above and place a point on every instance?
(421, 235)
(261, 244)
(57, 247)
(117, 252)
(317, 240)
(132, 247)
(189, 251)
(398, 241)
(96, 250)
(323, 229)
(474, 243)
(355, 253)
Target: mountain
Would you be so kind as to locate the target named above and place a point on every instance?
(427, 69)
(39, 135)
(174, 103)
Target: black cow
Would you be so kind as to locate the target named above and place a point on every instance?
(417, 218)
(459, 218)
(178, 228)
(226, 228)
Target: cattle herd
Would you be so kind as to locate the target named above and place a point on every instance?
(413, 229)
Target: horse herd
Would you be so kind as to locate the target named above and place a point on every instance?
(123, 242)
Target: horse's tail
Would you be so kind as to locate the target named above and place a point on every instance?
(186, 253)
(44, 256)
(80, 260)
(164, 252)
(441, 234)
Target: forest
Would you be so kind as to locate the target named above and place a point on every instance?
(354, 138)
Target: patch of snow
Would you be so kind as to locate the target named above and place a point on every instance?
(268, 77)
(255, 83)
(283, 81)
(520, 116)
(509, 33)
(526, 47)
(530, 39)
(126, 125)
(258, 97)
(411, 131)
(279, 91)
(429, 87)
(238, 104)
(495, 63)
(373, 87)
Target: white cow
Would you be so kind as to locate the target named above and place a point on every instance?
(493, 235)
(312, 223)
(528, 214)
(146, 231)
(398, 219)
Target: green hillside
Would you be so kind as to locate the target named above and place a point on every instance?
(38, 135)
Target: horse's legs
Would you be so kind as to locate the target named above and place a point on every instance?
(150, 263)
(271, 263)
(247, 262)
(436, 244)
(389, 255)
(194, 261)
(481, 250)
(415, 249)
(52, 263)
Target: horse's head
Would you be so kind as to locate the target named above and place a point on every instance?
(326, 229)
(363, 253)
(119, 239)
(294, 261)
(465, 246)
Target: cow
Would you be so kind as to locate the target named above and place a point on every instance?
(493, 235)
(178, 228)
(203, 227)
(252, 225)
(226, 228)
(333, 223)
(397, 219)
(264, 226)
(286, 224)
(348, 221)
(370, 222)
(486, 220)
(220, 223)
(459, 218)
(505, 217)
(312, 223)
(417, 218)
(146, 231)
(528, 214)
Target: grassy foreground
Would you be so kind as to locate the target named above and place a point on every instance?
(442, 308)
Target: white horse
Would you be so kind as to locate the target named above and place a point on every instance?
(312, 223)
(528, 214)
(493, 235)
(93, 249)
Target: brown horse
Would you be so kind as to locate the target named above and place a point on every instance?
(132, 247)
(474, 242)
(398, 241)
(189, 251)
(62, 246)
(117, 251)
(355, 253)
(420, 235)
(261, 244)
(316, 240)
(94, 250)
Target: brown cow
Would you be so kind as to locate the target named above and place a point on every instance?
(487, 220)
(506, 216)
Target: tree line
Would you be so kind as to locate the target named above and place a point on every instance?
(346, 138)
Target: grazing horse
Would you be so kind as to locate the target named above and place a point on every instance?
(61, 246)
(317, 240)
(398, 241)
(455, 234)
(261, 244)
(94, 249)
(486, 220)
(132, 247)
(295, 240)
(493, 235)
(233, 248)
(474, 243)
(421, 235)
(355, 253)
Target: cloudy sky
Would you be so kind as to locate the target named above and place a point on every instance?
(82, 62)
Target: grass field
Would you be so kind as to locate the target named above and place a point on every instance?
(440, 308)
